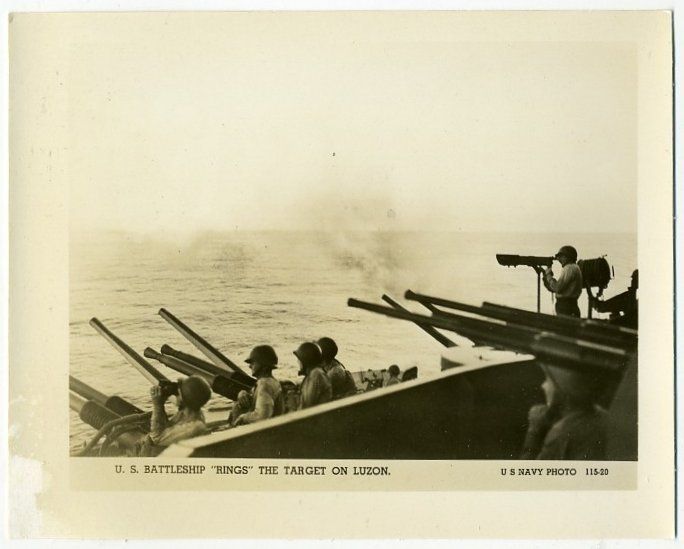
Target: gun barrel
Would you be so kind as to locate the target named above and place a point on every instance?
(582, 330)
(76, 402)
(513, 338)
(202, 344)
(177, 365)
(134, 359)
(91, 412)
(221, 384)
(565, 322)
(97, 416)
(444, 340)
(86, 391)
(114, 403)
(120, 406)
(430, 302)
(553, 348)
(246, 382)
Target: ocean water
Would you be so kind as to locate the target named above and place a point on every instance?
(239, 289)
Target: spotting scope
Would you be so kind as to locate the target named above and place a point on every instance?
(510, 260)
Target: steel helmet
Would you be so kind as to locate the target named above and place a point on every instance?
(580, 385)
(309, 354)
(568, 251)
(264, 355)
(195, 392)
(328, 348)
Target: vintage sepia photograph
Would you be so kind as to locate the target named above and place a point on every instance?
(312, 250)
(340, 244)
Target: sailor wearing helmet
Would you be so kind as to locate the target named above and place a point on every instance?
(571, 425)
(568, 286)
(268, 394)
(341, 380)
(393, 378)
(192, 393)
(316, 387)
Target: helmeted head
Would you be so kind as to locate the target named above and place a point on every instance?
(635, 280)
(194, 392)
(309, 355)
(566, 254)
(394, 370)
(328, 348)
(577, 386)
(263, 358)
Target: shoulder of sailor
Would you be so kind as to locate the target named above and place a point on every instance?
(260, 386)
(181, 430)
(580, 424)
(184, 416)
(199, 426)
(319, 377)
(594, 416)
(318, 373)
(572, 269)
(537, 413)
(192, 428)
(336, 369)
(270, 385)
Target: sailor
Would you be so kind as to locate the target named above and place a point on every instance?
(192, 393)
(267, 396)
(393, 378)
(624, 307)
(316, 387)
(568, 286)
(571, 425)
(341, 380)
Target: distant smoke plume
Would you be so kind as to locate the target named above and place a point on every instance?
(373, 254)
(362, 235)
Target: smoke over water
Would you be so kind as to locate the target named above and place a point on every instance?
(364, 236)
(378, 256)
(239, 289)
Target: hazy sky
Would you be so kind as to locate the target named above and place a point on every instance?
(224, 122)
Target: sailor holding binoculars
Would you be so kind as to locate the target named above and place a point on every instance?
(568, 286)
(191, 394)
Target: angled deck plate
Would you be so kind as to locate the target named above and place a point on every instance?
(471, 412)
(474, 356)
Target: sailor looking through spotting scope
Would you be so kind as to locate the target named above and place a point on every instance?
(568, 286)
